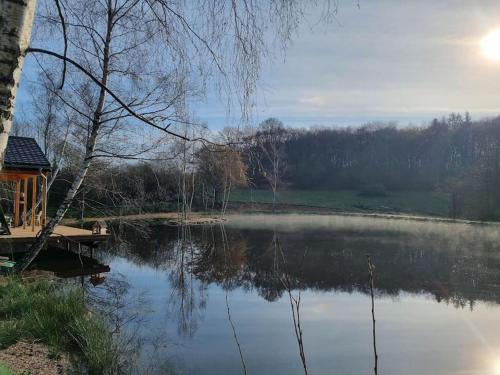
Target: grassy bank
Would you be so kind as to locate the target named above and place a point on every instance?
(4, 370)
(47, 312)
(407, 202)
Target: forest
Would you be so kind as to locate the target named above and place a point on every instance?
(454, 155)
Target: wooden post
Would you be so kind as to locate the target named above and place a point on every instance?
(16, 202)
(33, 202)
(25, 200)
(14, 206)
(44, 200)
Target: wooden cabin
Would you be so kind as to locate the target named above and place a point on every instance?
(27, 166)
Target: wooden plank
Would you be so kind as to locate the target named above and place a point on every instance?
(15, 175)
(60, 232)
(14, 208)
(33, 203)
(25, 200)
(16, 203)
(44, 200)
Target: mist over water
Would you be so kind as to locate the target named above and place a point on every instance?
(469, 236)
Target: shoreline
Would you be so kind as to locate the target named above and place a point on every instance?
(172, 218)
(205, 218)
(323, 211)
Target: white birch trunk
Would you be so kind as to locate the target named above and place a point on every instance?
(44, 235)
(16, 23)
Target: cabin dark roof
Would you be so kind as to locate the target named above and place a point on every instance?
(24, 153)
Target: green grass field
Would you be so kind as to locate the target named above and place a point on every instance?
(407, 202)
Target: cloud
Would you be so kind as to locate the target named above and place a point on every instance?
(403, 60)
(314, 101)
(389, 58)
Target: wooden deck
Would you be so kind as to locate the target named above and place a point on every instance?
(61, 232)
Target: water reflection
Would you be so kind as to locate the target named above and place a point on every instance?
(255, 294)
(233, 257)
(66, 264)
(187, 297)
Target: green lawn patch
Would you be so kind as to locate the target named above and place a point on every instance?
(4, 370)
(407, 202)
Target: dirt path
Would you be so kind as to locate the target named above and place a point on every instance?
(172, 217)
(27, 357)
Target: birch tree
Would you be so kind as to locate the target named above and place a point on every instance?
(16, 23)
(110, 49)
(139, 61)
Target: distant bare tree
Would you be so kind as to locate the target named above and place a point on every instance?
(186, 164)
(269, 153)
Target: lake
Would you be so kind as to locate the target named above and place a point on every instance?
(222, 299)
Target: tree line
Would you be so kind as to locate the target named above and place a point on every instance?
(453, 155)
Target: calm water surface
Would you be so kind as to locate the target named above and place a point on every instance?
(437, 289)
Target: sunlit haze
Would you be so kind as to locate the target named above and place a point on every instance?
(491, 45)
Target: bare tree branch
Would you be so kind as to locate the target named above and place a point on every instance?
(111, 93)
(63, 25)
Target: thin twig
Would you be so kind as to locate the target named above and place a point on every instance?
(371, 269)
(225, 249)
(294, 302)
(236, 337)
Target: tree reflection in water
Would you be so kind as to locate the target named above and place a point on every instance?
(125, 316)
(454, 273)
(371, 269)
(226, 250)
(291, 284)
(184, 300)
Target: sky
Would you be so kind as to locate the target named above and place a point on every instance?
(404, 61)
